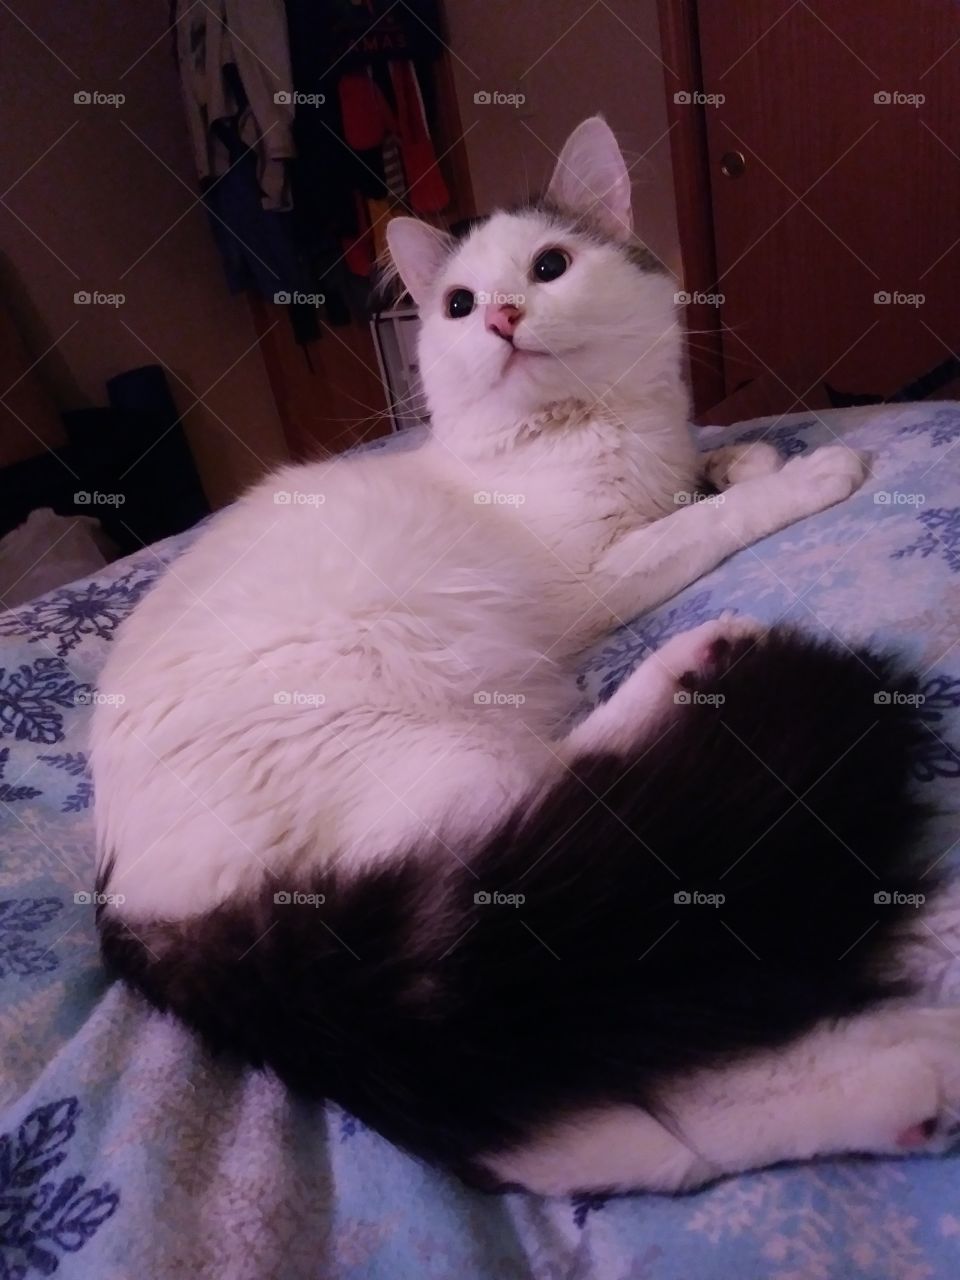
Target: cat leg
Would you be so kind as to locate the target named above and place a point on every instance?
(735, 463)
(659, 683)
(652, 563)
(447, 780)
(884, 1083)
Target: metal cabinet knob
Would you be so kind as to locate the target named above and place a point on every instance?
(732, 164)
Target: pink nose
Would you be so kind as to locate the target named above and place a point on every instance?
(503, 318)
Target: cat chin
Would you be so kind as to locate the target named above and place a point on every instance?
(541, 377)
(524, 362)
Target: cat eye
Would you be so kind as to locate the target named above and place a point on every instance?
(460, 303)
(550, 264)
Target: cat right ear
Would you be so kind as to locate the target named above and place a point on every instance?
(592, 178)
(418, 252)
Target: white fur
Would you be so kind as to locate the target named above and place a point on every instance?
(862, 1086)
(336, 675)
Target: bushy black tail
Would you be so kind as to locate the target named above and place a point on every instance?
(745, 873)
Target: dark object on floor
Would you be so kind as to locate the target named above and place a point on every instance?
(128, 465)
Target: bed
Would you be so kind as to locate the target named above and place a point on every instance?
(128, 1152)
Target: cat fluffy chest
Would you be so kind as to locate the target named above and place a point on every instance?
(577, 487)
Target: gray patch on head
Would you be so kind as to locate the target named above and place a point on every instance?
(633, 250)
(464, 229)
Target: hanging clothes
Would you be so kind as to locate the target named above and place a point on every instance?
(393, 172)
(252, 38)
(427, 190)
(310, 124)
(238, 93)
(366, 143)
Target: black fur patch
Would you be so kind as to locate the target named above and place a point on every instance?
(456, 1025)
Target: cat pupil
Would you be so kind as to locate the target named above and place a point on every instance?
(460, 303)
(550, 264)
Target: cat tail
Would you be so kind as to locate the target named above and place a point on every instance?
(747, 868)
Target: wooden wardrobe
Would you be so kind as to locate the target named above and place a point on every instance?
(816, 152)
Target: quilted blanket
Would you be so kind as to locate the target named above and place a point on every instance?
(127, 1152)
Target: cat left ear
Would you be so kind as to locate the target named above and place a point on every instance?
(591, 178)
(418, 252)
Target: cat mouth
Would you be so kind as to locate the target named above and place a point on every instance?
(531, 357)
(523, 355)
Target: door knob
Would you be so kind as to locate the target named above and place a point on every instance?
(732, 164)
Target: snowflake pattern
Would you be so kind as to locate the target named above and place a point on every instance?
(834, 1218)
(81, 799)
(943, 427)
(19, 954)
(942, 537)
(935, 755)
(42, 1218)
(586, 1203)
(73, 763)
(634, 640)
(11, 792)
(92, 608)
(33, 695)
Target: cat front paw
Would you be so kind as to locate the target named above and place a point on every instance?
(924, 1084)
(828, 475)
(694, 656)
(735, 463)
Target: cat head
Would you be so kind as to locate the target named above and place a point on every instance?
(546, 303)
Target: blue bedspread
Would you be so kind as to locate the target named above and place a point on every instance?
(128, 1153)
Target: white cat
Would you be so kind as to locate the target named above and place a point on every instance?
(356, 842)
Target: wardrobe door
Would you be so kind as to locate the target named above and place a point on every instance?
(833, 140)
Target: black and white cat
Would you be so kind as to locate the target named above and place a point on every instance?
(347, 831)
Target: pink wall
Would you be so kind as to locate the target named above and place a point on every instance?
(570, 61)
(100, 211)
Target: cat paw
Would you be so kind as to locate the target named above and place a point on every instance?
(828, 475)
(694, 656)
(735, 463)
(923, 1084)
(932, 1137)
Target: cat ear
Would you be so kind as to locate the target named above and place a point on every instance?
(418, 252)
(591, 178)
